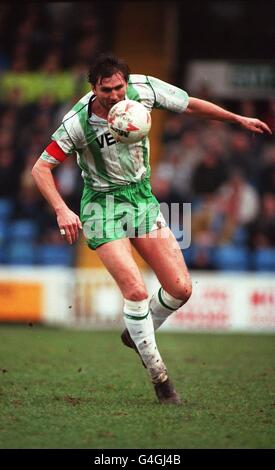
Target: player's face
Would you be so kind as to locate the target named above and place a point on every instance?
(110, 90)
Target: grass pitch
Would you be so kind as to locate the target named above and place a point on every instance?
(84, 389)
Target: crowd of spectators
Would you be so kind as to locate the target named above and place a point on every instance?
(50, 36)
(41, 44)
(227, 174)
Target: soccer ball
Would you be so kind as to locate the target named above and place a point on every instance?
(129, 121)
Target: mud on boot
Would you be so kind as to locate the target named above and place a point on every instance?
(166, 393)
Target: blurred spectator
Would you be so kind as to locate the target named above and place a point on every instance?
(244, 154)
(262, 229)
(240, 199)
(269, 117)
(6, 138)
(248, 108)
(19, 60)
(209, 174)
(266, 182)
(207, 223)
(28, 201)
(51, 63)
(215, 137)
(8, 119)
(8, 173)
(14, 98)
(161, 186)
(60, 13)
(173, 128)
(182, 156)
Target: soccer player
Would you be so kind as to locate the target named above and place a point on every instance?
(116, 176)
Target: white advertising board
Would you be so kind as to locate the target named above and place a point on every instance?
(89, 298)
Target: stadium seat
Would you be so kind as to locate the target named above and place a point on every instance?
(231, 258)
(3, 231)
(187, 254)
(3, 239)
(23, 229)
(6, 208)
(240, 236)
(55, 255)
(264, 259)
(21, 253)
(3, 254)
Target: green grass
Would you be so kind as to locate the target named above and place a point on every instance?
(84, 389)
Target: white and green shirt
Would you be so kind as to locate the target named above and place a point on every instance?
(105, 163)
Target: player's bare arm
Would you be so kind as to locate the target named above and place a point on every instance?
(205, 109)
(67, 220)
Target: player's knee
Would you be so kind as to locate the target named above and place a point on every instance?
(182, 290)
(187, 290)
(137, 294)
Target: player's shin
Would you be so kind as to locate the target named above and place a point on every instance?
(162, 305)
(139, 323)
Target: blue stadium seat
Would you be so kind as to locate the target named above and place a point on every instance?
(55, 255)
(231, 258)
(240, 236)
(3, 231)
(6, 208)
(3, 238)
(264, 259)
(3, 254)
(187, 254)
(23, 229)
(21, 253)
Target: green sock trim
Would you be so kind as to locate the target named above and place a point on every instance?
(133, 317)
(161, 301)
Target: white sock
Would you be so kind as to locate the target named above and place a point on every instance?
(162, 305)
(139, 323)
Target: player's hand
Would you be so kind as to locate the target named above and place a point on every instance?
(69, 224)
(254, 125)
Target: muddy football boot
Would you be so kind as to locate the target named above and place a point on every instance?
(166, 393)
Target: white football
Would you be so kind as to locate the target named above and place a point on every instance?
(129, 121)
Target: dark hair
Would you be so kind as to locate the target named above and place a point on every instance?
(105, 66)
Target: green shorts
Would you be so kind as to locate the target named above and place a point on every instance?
(127, 212)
